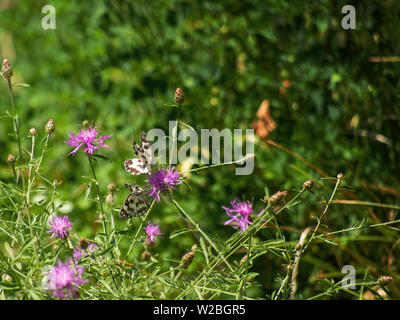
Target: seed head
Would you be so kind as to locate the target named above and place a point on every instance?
(6, 69)
(50, 127)
(179, 96)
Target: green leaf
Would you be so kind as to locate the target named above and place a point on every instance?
(180, 232)
(100, 156)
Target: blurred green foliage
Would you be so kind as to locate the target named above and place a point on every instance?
(119, 62)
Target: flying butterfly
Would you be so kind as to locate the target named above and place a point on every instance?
(145, 158)
(135, 204)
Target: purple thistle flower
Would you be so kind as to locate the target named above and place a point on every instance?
(77, 255)
(152, 230)
(64, 279)
(60, 227)
(239, 214)
(163, 180)
(88, 137)
(92, 247)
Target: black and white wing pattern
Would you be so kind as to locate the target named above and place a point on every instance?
(135, 204)
(145, 158)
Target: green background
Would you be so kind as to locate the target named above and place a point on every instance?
(118, 63)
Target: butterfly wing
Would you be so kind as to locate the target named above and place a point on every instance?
(135, 204)
(145, 157)
(136, 166)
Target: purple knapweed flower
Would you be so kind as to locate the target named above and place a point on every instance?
(92, 247)
(239, 214)
(78, 253)
(152, 230)
(88, 137)
(64, 280)
(163, 180)
(60, 227)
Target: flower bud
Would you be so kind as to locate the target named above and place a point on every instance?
(146, 255)
(384, 280)
(50, 127)
(11, 158)
(6, 277)
(85, 124)
(83, 243)
(55, 183)
(111, 187)
(32, 132)
(340, 176)
(276, 197)
(298, 247)
(110, 199)
(6, 69)
(308, 184)
(194, 247)
(179, 96)
(187, 260)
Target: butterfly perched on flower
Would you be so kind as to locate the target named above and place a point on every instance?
(145, 158)
(135, 205)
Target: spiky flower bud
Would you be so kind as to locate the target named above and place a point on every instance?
(32, 132)
(6, 69)
(179, 96)
(110, 199)
(384, 280)
(308, 184)
(340, 176)
(11, 158)
(276, 197)
(146, 255)
(85, 124)
(111, 187)
(187, 260)
(50, 127)
(83, 243)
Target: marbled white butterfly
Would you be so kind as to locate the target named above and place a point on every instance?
(145, 158)
(135, 204)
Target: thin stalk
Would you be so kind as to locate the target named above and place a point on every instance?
(323, 214)
(98, 194)
(188, 217)
(15, 118)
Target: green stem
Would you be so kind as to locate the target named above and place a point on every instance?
(98, 193)
(15, 118)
